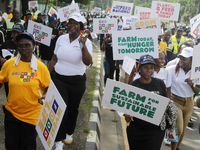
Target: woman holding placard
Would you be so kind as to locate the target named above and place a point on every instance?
(141, 134)
(159, 72)
(72, 52)
(182, 92)
(26, 75)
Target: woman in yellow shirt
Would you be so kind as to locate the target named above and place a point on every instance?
(25, 75)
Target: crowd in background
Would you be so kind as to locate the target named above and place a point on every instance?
(175, 47)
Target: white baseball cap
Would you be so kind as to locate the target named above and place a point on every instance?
(77, 17)
(187, 52)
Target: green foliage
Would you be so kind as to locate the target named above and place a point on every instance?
(145, 5)
(86, 129)
(51, 5)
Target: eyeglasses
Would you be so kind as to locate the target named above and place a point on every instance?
(26, 46)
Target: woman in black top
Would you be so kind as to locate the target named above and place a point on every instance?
(141, 134)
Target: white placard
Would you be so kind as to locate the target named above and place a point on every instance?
(32, 4)
(134, 101)
(104, 25)
(97, 9)
(53, 11)
(195, 71)
(121, 9)
(165, 10)
(137, 8)
(144, 14)
(41, 32)
(147, 24)
(194, 19)
(129, 20)
(93, 35)
(135, 43)
(50, 117)
(128, 64)
(6, 53)
(5, 16)
(65, 12)
(195, 29)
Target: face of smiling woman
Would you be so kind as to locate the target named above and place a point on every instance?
(25, 47)
(73, 26)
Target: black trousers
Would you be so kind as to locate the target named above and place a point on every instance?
(71, 88)
(19, 135)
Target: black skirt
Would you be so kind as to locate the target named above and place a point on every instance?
(144, 139)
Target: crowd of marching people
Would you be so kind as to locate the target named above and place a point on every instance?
(25, 77)
(28, 66)
(175, 47)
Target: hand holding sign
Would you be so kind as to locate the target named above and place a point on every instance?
(134, 101)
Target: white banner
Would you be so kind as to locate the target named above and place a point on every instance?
(53, 11)
(194, 19)
(195, 29)
(137, 8)
(129, 20)
(50, 117)
(104, 25)
(135, 43)
(32, 4)
(97, 9)
(195, 71)
(41, 32)
(65, 12)
(165, 10)
(134, 101)
(121, 9)
(147, 24)
(128, 64)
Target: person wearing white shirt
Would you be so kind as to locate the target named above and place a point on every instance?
(176, 60)
(72, 52)
(182, 91)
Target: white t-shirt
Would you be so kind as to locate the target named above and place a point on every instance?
(163, 74)
(173, 62)
(70, 56)
(179, 87)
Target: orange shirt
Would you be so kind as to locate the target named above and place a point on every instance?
(23, 89)
(163, 47)
(31, 18)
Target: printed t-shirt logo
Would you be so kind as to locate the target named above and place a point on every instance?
(26, 76)
(156, 92)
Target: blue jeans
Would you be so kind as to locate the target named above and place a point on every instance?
(109, 68)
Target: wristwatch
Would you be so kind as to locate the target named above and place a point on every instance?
(193, 85)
